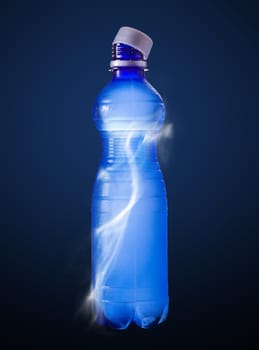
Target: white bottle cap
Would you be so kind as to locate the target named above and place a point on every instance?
(135, 38)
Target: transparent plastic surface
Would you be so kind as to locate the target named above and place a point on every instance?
(129, 206)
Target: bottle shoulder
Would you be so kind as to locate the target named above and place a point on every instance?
(130, 90)
(128, 104)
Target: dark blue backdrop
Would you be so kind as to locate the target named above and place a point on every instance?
(205, 64)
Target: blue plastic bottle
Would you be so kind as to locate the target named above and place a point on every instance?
(129, 206)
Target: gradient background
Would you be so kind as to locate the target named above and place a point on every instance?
(204, 62)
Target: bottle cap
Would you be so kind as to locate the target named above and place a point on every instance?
(135, 38)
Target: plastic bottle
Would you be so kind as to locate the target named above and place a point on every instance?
(129, 205)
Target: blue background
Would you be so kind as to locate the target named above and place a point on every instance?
(204, 62)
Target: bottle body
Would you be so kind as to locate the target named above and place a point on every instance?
(129, 206)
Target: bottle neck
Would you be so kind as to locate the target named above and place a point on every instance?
(128, 73)
(127, 59)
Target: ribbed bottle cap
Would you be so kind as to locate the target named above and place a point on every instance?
(135, 38)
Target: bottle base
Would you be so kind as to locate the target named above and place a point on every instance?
(119, 316)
